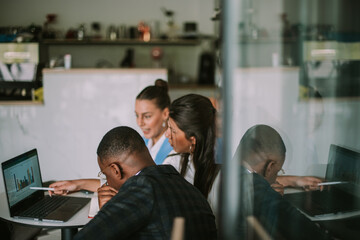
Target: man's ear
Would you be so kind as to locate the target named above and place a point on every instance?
(269, 168)
(116, 170)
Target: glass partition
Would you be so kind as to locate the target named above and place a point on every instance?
(293, 66)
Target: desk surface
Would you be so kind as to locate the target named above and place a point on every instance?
(323, 217)
(78, 220)
(341, 226)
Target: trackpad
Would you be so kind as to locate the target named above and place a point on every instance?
(69, 209)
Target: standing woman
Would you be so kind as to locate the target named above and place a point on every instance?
(152, 111)
(191, 132)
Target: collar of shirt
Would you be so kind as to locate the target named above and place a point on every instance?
(248, 167)
(154, 149)
(190, 171)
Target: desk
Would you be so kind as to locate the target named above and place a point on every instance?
(340, 227)
(68, 229)
(348, 228)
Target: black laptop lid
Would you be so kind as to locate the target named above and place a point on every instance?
(344, 166)
(20, 173)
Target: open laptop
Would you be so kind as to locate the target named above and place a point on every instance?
(23, 172)
(336, 201)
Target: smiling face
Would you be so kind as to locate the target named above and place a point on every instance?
(177, 138)
(150, 119)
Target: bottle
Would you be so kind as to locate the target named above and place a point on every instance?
(112, 33)
(67, 61)
(81, 32)
(128, 60)
(206, 71)
(275, 59)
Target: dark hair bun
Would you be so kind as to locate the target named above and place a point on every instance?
(161, 83)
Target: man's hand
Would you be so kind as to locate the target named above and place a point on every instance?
(63, 187)
(308, 183)
(278, 188)
(105, 193)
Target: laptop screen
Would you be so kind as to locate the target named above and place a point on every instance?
(344, 166)
(20, 173)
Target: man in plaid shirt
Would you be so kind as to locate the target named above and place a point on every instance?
(141, 199)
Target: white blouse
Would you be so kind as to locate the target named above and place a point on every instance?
(154, 149)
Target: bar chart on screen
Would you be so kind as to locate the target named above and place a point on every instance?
(26, 180)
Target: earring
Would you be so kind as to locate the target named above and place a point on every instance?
(164, 124)
(190, 148)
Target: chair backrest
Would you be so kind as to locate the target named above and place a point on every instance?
(255, 230)
(178, 229)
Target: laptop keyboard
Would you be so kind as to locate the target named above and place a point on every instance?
(317, 203)
(45, 206)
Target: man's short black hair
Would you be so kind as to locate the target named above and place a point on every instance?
(120, 140)
(261, 140)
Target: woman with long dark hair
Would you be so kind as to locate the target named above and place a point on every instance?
(191, 132)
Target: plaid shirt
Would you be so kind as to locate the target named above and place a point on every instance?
(146, 206)
(279, 218)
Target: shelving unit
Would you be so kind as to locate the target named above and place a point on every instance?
(21, 71)
(286, 50)
(175, 42)
(180, 56)
(52, 46)
(24, 88)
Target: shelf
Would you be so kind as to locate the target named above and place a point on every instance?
(20, 93)
(177, 42)
(20, 102)
(177, 86)
(268, 40)
(104, 70)
(8, 84)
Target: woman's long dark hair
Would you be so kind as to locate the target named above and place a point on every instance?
(195, 116)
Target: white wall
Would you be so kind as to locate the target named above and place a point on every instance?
(80, 107)
(129, 12)
(271, 96)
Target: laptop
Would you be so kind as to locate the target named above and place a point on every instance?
(336, 201)
(23, 172)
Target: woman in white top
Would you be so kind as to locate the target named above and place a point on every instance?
(191, 132)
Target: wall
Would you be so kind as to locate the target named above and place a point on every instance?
(80, 107)
(265, 17)
(129, 12)
(342, 15)
(271, 96)
(183, 60)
